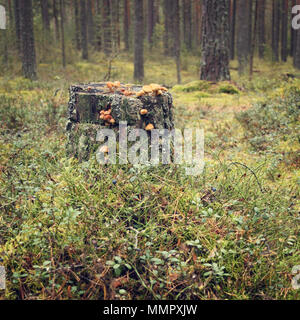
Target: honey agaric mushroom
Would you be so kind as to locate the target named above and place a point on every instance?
(107, 117)
(102, 116)
(155, 87)
(117, 84)
(128, 93)
(159, 92)
(110, 85)
(143, 112)
(104, 149)
(147, 89)
(149, 127)
(140, 93)
(163, 89)
(102, 112)
(112, 121)
(107, 112)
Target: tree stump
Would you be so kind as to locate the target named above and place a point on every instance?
(97, 106)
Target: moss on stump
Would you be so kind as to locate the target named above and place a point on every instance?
(97, 106)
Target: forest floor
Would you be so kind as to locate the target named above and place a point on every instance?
(68, 232)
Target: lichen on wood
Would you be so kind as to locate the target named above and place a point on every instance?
(104, 105)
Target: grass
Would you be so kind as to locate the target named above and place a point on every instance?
(69, 231)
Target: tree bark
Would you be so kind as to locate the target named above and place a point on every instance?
(261, 28)
(17, 24)
(232, 28)
(176, 19)
(187, 23)
(77, 25)
(90, 22)
(284, 29)
(167, 23)
(138, 41)
(243, 34)
(88, 101)
(115, 25)
(126, 23)
(107, 30)
(275, 29)
(296, 61)
(215, 40)
(27, 40)
(55, 16)
(62, 31)
(84, 30)
(293, 32)
(150, 22)
(253, 40)
(197, 22)
(45, 15)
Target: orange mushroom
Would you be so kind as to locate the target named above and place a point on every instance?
(104, 149)
(143, 112)
(149, 127)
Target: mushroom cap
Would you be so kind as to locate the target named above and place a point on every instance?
(143, 111)
(149, 127)
(147, 89)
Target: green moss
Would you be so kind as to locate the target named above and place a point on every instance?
(228, 88)
(198, 85)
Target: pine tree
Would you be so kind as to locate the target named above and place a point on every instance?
(27, 40)
(138, 41)
(84, 30)
(215, 40)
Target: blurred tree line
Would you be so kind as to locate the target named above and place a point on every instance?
(40, 31)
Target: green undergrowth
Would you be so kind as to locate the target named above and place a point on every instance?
(71, 230)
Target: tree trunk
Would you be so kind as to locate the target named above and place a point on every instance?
(232, 28)
(18, 24)
(243, 34)
(62, 31)
(297, 46)
(98, 25)
(187, 23)
(55, 16)
(215, 40)
(197, 22)
(90, 22)
(284, 29)
(167, 34)
(138, 41)
(77, 25)
(115, 15)
(275, 29)
(156, 12)
(293, 32)
(126, 23)
(107, 32)
(261, 28)
(27, 40)
(84, 30)
(176, 19)
(150, 22)
(253, 40)
(45, 16)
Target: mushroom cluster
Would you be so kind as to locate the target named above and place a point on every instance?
(153, 88)
(106, 116)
